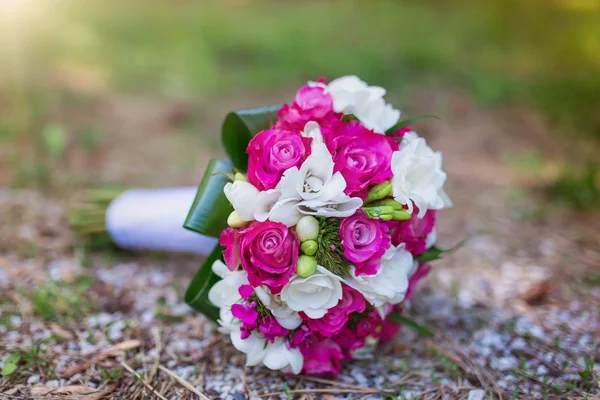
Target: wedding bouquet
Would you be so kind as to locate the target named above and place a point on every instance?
(326, 216)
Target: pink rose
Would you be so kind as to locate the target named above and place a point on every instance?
(302, 336)
(361, 155)
(413, 232)
(272, 152)
(229, 239)
(311, 104)
(322, 358)
(335, 319)
(269, 252)
(271, 329)
(349, 341)
(388, 330)
(364, 241)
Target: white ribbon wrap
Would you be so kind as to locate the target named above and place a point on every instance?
(152, 219)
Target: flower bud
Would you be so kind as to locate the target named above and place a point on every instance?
(309, 247)
(235, 221)
(307, 228)
(378, 192)
(240, 177)
(307, 266)
(380, 212)
(400, 215)
(388, 202)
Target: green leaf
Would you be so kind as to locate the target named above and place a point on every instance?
(55, 139)
(209, 212)
(241, 126)
(435, 253)
(10, 364)
(409, 121)
(196, 296)
(399, 319)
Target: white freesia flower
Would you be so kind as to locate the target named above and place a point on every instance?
(253, 346)
(353, 96)
(313, 295)
(286, 317)
(279, 357)
(316, 188)
(275, 356)
(418, 176)
(242, 196)
(390, 283)
(313, 131)
(225, 293)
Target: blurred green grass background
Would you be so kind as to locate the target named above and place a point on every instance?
(538, 54)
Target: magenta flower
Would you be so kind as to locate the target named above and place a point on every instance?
(311, 104)
(245, 291)
(301, 336)
(272, 152)
(246, 313)
(229, 239)
(269, 253)
(322, 358)
(335, 319)
(413, 232)
(271, 329)
(364, 241)
(349, 341)
(361, 155)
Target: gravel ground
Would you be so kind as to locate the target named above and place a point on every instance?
(515, 312)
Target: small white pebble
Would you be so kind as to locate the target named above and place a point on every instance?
(476, 394)
(33, 380)
(53, 383)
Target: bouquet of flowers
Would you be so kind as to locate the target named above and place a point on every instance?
(326, 216)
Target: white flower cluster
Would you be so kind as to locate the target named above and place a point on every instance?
(353, 96)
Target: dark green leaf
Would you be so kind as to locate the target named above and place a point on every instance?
(209, 212)
(435, 253)
(240, 126)
(10, 364)
(399, 319)
(196, 295)
(408, 121)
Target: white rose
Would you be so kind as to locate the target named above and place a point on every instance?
(225, 293)
(353, 96)
(313, 295)
(418, 177)
(286, 317)
(390, 283)
(279, 357)
(242, 197)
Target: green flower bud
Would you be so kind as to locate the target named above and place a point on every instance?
(307, 228)
(400, 215)
(380, 191)
(387, 202)
(309, 247)
(235, 221)
(307, 266)
(240, 177)
(380, 212)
